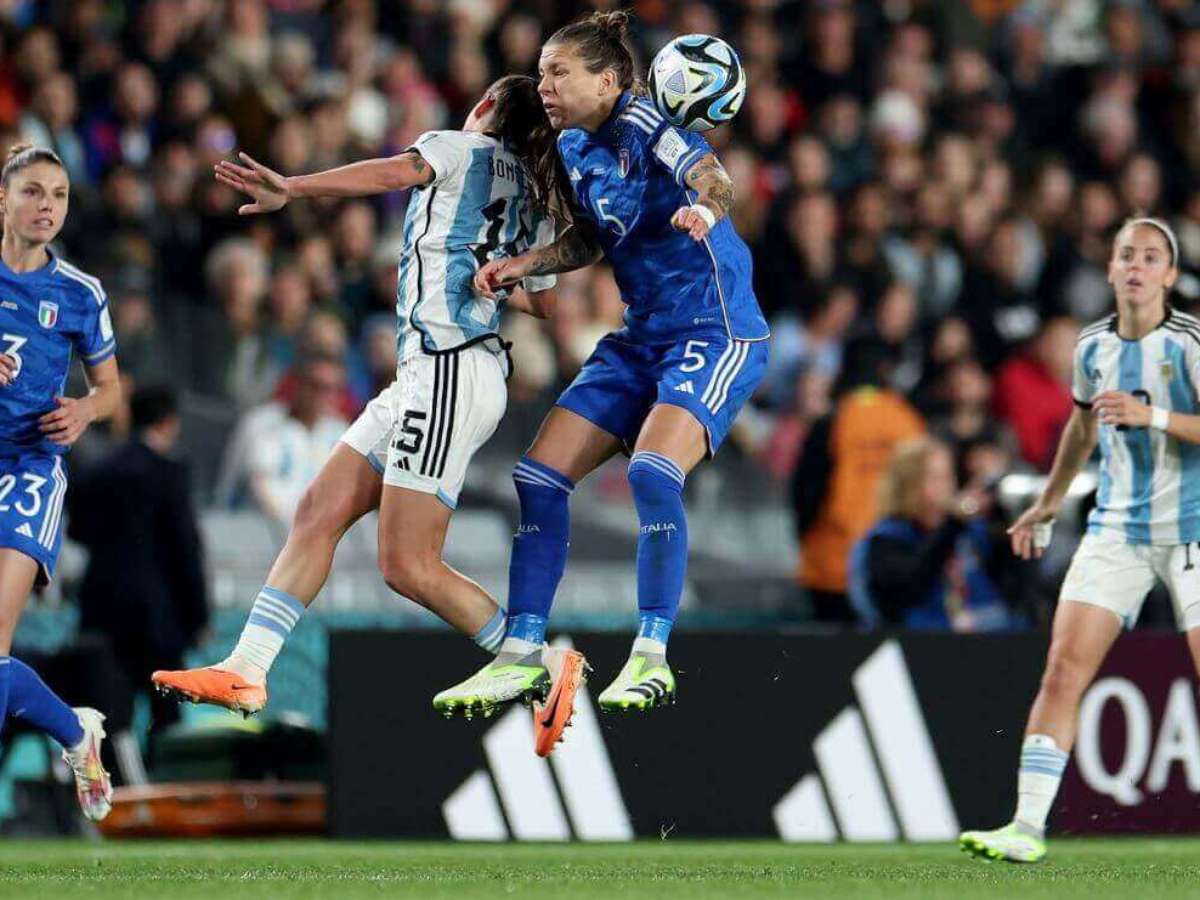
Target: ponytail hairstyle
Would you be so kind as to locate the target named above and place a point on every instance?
(519, 119)
(22, 156)
(601, 42)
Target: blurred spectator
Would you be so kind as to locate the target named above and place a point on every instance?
(234, 360)
(1033, 391)
(924, 563)
(144, 588)
(834, 486)
(813, 344)
(278, 448)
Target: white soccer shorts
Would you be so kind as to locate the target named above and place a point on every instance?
(421, 432)
(1108, 572)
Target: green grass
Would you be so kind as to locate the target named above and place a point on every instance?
(267, 870)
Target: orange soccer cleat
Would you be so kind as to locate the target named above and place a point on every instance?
(552, 717)
(219, 687)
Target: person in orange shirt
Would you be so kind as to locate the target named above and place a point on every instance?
(835, 485)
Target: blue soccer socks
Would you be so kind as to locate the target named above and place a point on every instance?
(30, 699)
(539, 548)
(662, 549)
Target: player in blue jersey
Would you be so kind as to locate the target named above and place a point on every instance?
(486, 189)
(1135, 385)
(667, 386)
(48, 309)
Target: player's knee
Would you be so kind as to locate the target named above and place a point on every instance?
(411, 574)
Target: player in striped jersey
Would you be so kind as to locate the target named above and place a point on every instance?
(48, 309)
(482, 191)
(1135, 386)
(666, 388)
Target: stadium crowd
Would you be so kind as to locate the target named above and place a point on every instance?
(929, 188)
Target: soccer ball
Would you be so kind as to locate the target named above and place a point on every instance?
(697, 82)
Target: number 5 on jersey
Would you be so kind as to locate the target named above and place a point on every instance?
(708, 368)
(411, 437)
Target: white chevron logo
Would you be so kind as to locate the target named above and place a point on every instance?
(591, 808)
(850, 781)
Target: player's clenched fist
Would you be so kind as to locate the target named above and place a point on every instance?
(8, 370)
(64, 425)
(697, 221)
(497, 275)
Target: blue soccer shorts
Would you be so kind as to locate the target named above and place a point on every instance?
(32, 490)
(711, 376)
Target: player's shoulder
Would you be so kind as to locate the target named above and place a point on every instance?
(571, 140)
(646, 120)
(78, 283)
(1096, 330)
(1184, 325)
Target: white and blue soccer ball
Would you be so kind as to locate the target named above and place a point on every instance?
(697, 82)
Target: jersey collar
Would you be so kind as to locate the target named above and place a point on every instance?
(1115, 324)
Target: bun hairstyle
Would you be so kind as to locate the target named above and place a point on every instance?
(21, 156)
(601, 40)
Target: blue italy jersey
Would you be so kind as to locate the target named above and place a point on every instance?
(1149, 491)
(44, 315)
(628, 179)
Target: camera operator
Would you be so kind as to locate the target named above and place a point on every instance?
(924, 563)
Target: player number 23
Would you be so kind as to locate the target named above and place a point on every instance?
(33, 487)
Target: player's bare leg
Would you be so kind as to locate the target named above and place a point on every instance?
(346, 489)
(671, 443)
(1081, 638)
(412, 534)
(80, 731)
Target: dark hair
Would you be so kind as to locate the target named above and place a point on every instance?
(21, 156)
(599, 39)
(152, 404)
(520, 120)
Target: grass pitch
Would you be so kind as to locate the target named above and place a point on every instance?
(1091, 869)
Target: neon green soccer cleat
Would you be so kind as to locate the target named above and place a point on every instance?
(1011, 843)
(645, 681)
(498, 683)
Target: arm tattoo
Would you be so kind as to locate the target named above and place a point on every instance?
(574, 250)
(709, 179)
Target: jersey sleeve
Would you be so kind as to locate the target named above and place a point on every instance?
(96, 341)
(677, 150)
(1082, 390)
(445, 151)
(544, 237)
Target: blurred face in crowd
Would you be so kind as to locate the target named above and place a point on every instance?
(320, 389)
(290, 299)
(37, 55)
(897, 313)
(55, 101)
(1097, 207)
(968, 385)
(191, 99)
(1055, 347)
(1141, 183)
(808, 161)
(938, 484)
(519, 40)
(1141, 269)
(571, 95)
(136, 94)
(34, 202)
(356, 232)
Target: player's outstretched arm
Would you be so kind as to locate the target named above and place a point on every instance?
(271, 190)
(575, 248)
(72, 415)
(708, 178)
(1074, 447)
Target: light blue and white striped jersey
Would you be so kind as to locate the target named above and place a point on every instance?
(479, 205)
(1149, 488)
